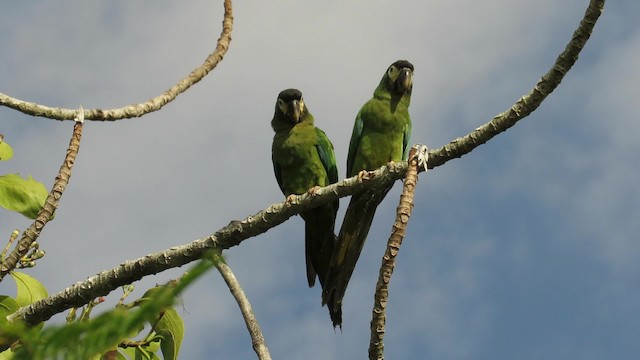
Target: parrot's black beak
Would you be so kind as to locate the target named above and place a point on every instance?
(293, 110)
(404, 80)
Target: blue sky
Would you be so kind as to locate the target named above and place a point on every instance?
(526, 248)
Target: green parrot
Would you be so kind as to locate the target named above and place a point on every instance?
(380, 135)
(303, 160)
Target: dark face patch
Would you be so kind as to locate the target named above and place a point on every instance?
(403, 64)
(289, 95)
(399, 77)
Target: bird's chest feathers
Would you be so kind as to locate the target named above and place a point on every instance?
(382, 138)
(297, 148)
(299, 162)
(380, 117)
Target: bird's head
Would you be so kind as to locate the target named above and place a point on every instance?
(291, 105)
(399, 77)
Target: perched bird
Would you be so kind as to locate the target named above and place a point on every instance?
(303, 160)
(380, 135)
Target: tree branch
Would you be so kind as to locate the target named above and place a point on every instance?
(257, 339)
(30, 235)
(231, 235)
(238, 231)
(403, 213)
(136, 110)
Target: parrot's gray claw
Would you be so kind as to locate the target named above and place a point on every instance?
(422, 154)
(80, 115)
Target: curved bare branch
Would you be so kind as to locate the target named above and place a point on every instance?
(257, 339)
(403, 213)
(135, 110)
(30, 235)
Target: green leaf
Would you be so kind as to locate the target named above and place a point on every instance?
(24, 196)
(171, 330)
(30, 290)
(6, 152)
(8, 305)
(129, 353)
(136, 353)
(144, 354)
(6, 355)
(81, 340)
(152, 346)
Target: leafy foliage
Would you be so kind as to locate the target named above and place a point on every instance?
(170, 329)
(8, 305)
(29, 290)
(26, 196)
(105, 332)
(6, 152)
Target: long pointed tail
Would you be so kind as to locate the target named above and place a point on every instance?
(320, 241)
(353, 233)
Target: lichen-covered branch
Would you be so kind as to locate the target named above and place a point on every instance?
(30, 235)
(238, 231)
(136, 110)
(231, 235)
(403, 213)
(257, 339)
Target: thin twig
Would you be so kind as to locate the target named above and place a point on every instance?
(30, 235)
(237, 231)
(136, 110)
(257, 339)
(403, 213)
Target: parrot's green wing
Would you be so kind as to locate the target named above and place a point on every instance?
(327, 156)
(278, 173)
(405, 140)
(356, 135)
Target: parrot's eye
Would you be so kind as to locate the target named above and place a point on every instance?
(392, 72)
(282, 105)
